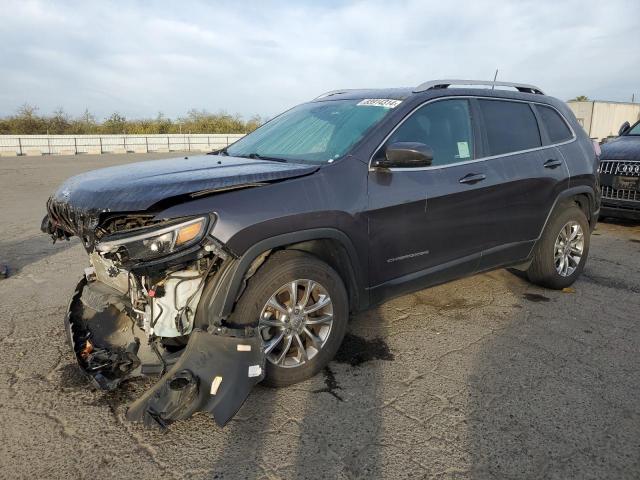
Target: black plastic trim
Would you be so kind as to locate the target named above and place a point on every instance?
(571, 192)
(222, 303)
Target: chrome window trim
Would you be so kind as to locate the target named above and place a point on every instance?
(475, 160)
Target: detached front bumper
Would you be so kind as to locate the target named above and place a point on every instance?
(214, 373)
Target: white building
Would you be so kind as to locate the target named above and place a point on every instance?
(601, 119)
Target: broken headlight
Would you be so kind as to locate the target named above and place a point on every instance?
(148, 244)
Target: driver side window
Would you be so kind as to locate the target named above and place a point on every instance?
(445, 126)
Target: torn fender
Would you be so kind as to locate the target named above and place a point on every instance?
(215, 374)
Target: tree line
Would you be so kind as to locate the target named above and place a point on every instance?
(27, 121)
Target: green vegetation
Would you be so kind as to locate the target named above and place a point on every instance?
(27, 121)
(580, 98)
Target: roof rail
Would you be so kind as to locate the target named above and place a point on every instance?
(436, 84)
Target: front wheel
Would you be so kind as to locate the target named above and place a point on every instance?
(302, 309)
(561, 252)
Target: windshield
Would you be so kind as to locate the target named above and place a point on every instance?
(635, 130)
(313, 132)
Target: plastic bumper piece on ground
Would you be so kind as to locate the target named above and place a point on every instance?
(215, 374)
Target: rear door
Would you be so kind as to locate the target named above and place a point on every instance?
(530, 168)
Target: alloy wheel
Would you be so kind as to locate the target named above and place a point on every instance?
(296, 322)
(569, 248)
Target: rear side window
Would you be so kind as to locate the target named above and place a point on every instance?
(510, 126)
(445, 126)
(556, 127)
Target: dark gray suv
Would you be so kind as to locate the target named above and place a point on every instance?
(219, 271)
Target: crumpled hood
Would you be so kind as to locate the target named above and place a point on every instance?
(622, 148)
(138, 186)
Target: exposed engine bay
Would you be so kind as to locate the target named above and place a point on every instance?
(133, 315)
(117, 316)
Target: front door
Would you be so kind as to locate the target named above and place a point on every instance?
(426, 225)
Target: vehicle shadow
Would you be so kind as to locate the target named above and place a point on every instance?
(325, 427)
(620, 221)
(19, 253)
(342, 421)
(553, 395)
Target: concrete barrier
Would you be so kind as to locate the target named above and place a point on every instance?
(137, 149)
(11, 145)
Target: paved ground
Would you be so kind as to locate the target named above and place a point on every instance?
(487, 377)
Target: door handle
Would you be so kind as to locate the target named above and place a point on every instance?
(473, 178)
(552, 163)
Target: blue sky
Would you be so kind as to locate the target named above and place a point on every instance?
(139, 58)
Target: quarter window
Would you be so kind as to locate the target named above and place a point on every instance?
(445, 126)
(556, 127)
(510, 126)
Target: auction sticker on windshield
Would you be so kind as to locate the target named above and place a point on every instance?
(379, 102)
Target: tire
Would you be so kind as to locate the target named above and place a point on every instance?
(544, 269)
(279, 271)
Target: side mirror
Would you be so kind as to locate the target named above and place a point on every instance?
(405, 155)
(624, 128)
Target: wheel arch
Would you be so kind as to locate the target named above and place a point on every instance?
(583, 200)
(328, 244)
(583, 195)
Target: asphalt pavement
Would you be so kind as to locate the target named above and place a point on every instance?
(485, 377)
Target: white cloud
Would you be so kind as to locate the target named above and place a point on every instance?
(139, 58)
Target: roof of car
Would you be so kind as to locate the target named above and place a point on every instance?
(359, 93)
(441, 87)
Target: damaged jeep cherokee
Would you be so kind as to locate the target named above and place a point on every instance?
(216, 272)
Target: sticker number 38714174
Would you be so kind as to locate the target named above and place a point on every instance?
(379, 102)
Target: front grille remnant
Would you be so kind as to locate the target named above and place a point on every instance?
(85, 224)
(82, 224)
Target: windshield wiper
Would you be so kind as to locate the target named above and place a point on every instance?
(257, 156)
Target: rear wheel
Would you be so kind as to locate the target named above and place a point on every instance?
(561, 252)
(301, 306)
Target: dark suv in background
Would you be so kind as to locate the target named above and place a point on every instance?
(620, 174)
(219, 271)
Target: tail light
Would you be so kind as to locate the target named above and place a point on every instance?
(596, 147)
